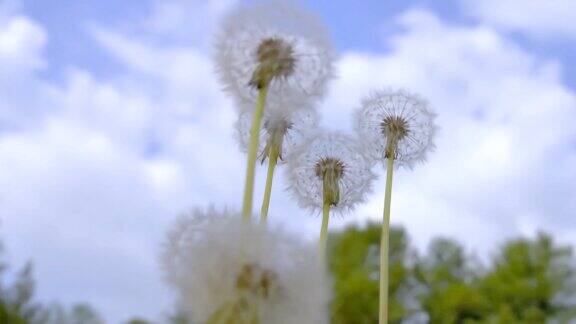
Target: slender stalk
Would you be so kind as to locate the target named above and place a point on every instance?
(221, 315)
(272, 161)
(384, 242)
(252, 152)
(324, 229)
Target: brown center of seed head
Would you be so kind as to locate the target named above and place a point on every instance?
(330, 170)
(275, 59)
(333, 165)
(257, 281)
(395, 128)
(275, 130)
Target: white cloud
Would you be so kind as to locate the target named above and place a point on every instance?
(87, 213)
(540, 18)
(21, 45)
(93, 170)
(21, 41)
(187, 21)
(506, 142)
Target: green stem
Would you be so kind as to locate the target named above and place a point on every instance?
(221, 315)
(252, 152)
(384, 242)
(324, 229)
(273, 160)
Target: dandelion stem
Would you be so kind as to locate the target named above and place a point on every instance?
(272, 161)
(324, 229)
(252, 152)
(221, 315)
(384, 242)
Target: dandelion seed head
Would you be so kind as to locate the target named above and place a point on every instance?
(330, 170)
(214, 259)
(276, 43)
(275, 59)
(398, 123)
(283, 128)
(342, 158)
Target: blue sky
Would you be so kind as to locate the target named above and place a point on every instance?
(364, 26)
(112, 122)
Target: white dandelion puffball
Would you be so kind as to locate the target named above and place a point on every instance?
(398, 119)
(217, 262)
(354, 175)
(277, 38)
(286, 130)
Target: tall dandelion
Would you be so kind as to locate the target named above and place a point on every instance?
(225, 270)
(329, 172)
(271, 52)
(282, 130)
(398, 129)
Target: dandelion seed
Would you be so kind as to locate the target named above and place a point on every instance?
(225, 270)
(274, 44)
(396, 123)
(397, 128)
(329, 172)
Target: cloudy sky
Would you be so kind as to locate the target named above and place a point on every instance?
(112, 123)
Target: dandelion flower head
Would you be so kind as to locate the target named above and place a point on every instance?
(396, 123)
(329, 164)
(222, 266)
(281, 129)
(277, 44)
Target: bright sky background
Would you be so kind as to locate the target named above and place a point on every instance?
(112, 123)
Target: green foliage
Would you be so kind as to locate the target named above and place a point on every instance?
(446, 284)
(530, 281)
(534, 278)
(138, 321)
(8, 316)
(16, 304)
(77, 314)
(354, 261)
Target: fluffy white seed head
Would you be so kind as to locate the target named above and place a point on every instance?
(283, 128)
(398, 123)
(335, 157)
(216, 263)
(276, 42)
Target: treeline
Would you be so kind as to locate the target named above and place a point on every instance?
(528, 281)
(18, 306)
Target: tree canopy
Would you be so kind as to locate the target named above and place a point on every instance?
(529, 280)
